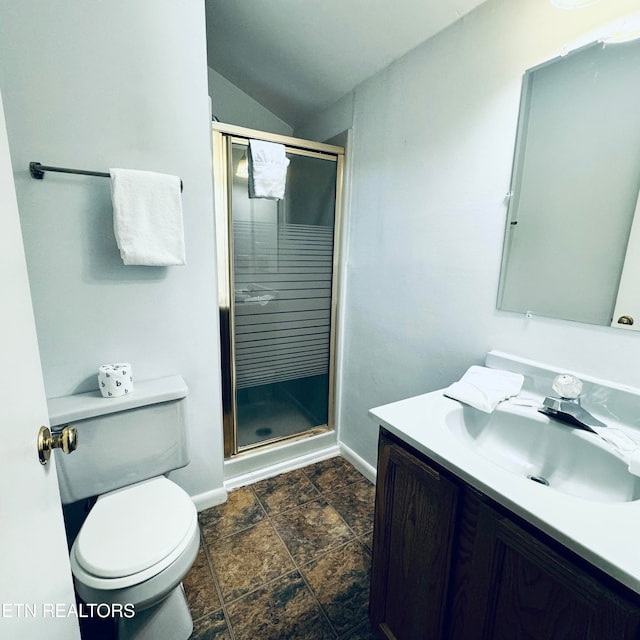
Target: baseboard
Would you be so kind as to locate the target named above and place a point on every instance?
(284, 466)
(367, 470)
(246, 477)
(209, 499)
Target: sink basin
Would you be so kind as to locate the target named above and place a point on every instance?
(530, 444)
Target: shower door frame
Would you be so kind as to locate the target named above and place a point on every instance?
(223, 137)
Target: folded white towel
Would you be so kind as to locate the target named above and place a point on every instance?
(484, 388)
(147, 217)
(634, 462)
(268, 164)
(627, 444)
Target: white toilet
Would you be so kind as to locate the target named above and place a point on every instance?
(141, 536)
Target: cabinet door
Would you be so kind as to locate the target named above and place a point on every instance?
(413, 536)
(519, 588)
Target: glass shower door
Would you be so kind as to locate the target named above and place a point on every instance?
(281, 309)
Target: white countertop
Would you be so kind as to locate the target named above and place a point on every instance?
(607, 534)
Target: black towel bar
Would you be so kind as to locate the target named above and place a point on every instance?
(37, 171)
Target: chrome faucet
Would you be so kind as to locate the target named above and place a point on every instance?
(567, 407)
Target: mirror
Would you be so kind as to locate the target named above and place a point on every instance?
(574, 186)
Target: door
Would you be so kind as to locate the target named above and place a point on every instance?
(519, 587)
(412, 546)
(277, 316)
(36, 589)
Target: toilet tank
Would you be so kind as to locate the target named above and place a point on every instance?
(121, 440)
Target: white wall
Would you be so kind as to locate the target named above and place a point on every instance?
(330, 123)
(234, 106)
(94, 85)
(124, 83)
(433, 137)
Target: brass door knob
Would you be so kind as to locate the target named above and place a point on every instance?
(67, 440)
(625, 320)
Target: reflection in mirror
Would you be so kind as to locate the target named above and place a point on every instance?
(575, 182)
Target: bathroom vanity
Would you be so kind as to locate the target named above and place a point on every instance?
(467, 548)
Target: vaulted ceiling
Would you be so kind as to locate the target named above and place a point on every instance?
(297, 57)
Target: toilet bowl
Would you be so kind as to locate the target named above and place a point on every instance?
(141, 536)
(134, 548)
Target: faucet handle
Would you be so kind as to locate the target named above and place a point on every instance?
(567, 386)
(551, 405)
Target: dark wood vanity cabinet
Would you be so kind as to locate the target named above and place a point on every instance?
(415, 517)
(449, 563)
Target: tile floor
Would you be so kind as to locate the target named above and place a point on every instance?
(286, 558)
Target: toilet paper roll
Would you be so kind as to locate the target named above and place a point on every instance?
(115, 380)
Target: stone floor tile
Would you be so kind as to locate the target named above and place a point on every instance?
(200, 591)
(367, 539)
(311, 530)
(355, 504)
(248, 559)
(334, 473)
(211, 627)
(241, 510)
(340, 580)
(285, 491)
(284, 610)
(363, 632)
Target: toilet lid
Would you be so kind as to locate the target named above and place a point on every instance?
(131, 529)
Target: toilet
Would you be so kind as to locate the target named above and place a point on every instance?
(141, 536)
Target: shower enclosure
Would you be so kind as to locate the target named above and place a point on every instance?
(277, 270)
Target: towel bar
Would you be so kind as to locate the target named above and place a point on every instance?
(37, 171)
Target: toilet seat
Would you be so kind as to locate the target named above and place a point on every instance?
(133, 534)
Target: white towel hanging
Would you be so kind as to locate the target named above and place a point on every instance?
(147, 217)
(268, 164)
